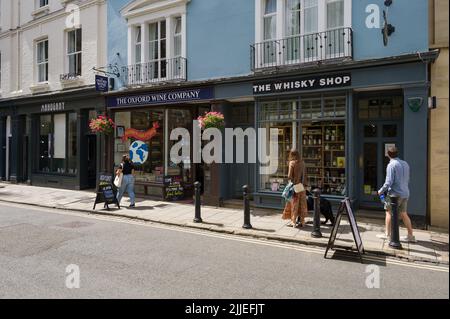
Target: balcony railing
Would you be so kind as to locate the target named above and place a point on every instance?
(167, 70)
(314, 47)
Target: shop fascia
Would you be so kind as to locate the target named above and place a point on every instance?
(212, 152)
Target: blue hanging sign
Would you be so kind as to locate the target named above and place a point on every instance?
(101, 83)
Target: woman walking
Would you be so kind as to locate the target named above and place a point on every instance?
(297, 207)
(127, 169)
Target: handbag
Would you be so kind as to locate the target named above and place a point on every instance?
(298, 188)
(118, 180)
(288, 192)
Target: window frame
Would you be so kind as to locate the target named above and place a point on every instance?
(75, 53)
(44, 62)
(67, 154)
(281, 13)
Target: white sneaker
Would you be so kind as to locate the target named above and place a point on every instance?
(408, 239)
(382, 236)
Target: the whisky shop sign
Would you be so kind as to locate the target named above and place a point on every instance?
(303, 84)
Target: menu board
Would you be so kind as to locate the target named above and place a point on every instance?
(174, 189)
(105, 191)
(346, 210)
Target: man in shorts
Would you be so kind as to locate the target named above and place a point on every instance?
(397, 184)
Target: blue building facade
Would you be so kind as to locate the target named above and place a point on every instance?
(341, 80)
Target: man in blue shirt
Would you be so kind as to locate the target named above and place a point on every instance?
(396, 184)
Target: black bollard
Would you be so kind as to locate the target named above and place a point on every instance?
(198, 217)
(247, 224)
(395, 230)
(316, 231)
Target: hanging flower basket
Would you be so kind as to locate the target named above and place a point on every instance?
(211, 120)
(102, 124)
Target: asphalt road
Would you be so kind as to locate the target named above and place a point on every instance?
(122, 259)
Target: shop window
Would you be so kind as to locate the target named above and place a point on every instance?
(72, 144)
(146, 127)
(183, 170)
(45, 143)
(57, 153)
(287, 138)
(317, 128)
(380, 108)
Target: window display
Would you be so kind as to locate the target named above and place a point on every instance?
(315, 125)
(143, 136)
(58, 143)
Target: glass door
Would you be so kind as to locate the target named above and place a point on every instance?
(377, 136)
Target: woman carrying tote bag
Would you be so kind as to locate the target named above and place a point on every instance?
(297, 207)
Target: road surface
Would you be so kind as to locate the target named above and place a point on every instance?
(42, 251)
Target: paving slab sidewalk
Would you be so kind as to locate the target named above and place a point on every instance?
(267, 224)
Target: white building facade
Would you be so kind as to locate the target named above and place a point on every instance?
(48, 52)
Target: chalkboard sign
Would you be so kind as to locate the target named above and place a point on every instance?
(345, 209)
(173, 189)
(106, 192)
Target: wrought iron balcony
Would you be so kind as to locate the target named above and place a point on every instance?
(166, 70)
(315, 47)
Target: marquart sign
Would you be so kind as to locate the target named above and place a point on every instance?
(162, 97)
(303, 84)
(53, 107)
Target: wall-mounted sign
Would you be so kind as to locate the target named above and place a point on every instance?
(303, 84)
(415, 103)
(101, 83)
(168, 97)
(53, 107)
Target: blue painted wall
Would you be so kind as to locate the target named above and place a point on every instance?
(117, 36)
(410, 18)
(219, 35)
(220, 32)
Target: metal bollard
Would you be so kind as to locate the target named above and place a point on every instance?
(247, 224)
(198, 217)
(316, 231)
(395, 230)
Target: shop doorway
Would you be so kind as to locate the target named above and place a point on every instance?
(380, 128)
(91, 160)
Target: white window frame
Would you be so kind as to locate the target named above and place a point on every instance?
(142, 15)
(45, 62)
(75, 53)
(281, 18)
(159, 60)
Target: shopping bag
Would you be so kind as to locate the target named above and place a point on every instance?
(118, 180)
